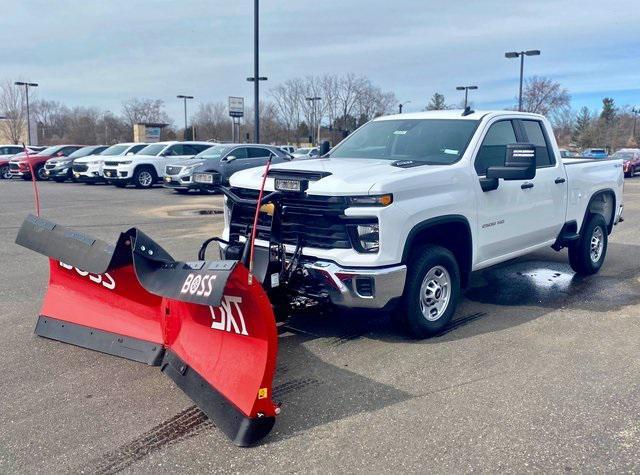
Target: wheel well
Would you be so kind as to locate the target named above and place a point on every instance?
(452, 233)
(146, 166)
(604, 203)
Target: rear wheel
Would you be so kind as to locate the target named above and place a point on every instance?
(586, 256)
(431, 292)
(5, 174)
(144, 177)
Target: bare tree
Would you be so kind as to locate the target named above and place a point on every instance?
(212, 121)
(136, 111)
(287, 101)
(544, 96)
(13, 110)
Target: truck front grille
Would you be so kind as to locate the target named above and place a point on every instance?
(319, 221)
(80, 168)
(14, 167)
(112, 164)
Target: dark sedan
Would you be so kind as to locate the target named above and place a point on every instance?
(213, 167)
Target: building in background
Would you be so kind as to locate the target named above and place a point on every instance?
(8, 134)
(147, 132)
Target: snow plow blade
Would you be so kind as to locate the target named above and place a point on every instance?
(209, 330)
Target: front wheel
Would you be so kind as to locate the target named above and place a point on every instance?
(431, 292)
(41, 174)
(587, 255)
(5, 174)
(144, 177)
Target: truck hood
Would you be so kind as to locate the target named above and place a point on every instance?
(346, 176)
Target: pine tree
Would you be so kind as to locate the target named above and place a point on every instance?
(437, 102)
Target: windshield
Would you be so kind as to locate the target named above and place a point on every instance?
(115, 150)
(50, 150)
(623, 155)
(153, 149)
(434, 141)
(216, 151)
(83, 152)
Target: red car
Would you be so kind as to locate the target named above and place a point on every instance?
(631, 160)
(19, 165)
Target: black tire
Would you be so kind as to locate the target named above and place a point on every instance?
(582, 259)
(140, 177)
(40, 173)
(5, 174)
(119, 184)
(409, 314)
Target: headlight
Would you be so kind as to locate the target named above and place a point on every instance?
(372, 200)
(99, 163)
(368, 237)
(189, 168)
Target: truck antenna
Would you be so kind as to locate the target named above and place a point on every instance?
(467, 111)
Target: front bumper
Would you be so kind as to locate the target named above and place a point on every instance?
(119, 173)
(58, 171)
(619, 218)
(178, 182)
(361, 287)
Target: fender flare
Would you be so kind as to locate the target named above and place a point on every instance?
(417, 229)
(591, 200)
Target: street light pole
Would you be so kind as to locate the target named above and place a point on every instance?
(27, 85)
(256, 77)
(635, 111)
(313, 101)
(521, 55)
(182, 96)
(401, 105)
(466, 92)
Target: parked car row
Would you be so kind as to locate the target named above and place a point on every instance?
(180, 166)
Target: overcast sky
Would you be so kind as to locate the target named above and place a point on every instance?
(101, 52)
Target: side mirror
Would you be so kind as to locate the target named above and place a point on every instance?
(230, 158)
(324, 148)
(519, 163)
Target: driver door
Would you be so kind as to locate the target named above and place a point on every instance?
(505, 224)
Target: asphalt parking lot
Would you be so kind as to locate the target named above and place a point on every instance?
(540, 370)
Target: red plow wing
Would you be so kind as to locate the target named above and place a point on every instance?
(209, 330)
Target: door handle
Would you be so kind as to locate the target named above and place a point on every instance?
(559, 180)
(524, 186)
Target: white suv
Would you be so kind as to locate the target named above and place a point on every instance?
(89, 169)
(147, 167)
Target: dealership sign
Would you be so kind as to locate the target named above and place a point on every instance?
(236, 106)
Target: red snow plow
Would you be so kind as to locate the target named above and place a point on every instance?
(206, 324)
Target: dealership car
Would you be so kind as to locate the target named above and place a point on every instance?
(89, 169)
(213, 167)
(594, 153)
(21, 164)
(60, 169)
(306, 152)
(6, 153)
(146, 167)
(630, 160)
(290, 149)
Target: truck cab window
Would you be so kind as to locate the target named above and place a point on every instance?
(535, 136)
(494, 146)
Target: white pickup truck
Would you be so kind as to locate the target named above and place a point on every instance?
(400, 213)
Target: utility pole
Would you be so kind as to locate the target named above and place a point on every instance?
(466, 92)
(27, 85)
(521, 55)
(635, 111)
(182, 96)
